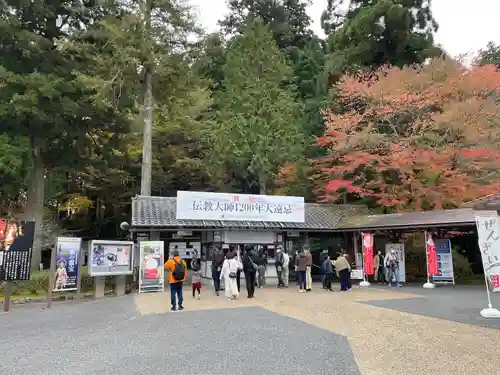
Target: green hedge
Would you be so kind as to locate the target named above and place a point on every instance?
(39, 283)
(416, 262)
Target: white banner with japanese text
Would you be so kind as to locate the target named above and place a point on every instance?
(488, 232)
(192, 205)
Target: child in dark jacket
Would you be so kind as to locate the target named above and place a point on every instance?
(328, 268)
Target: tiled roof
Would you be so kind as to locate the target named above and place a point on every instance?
(441, 218)
(160, 212)
(489, 202)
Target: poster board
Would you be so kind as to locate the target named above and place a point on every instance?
(445, 262)
(399, 248)
(67, 264)
(186, 248)
(151, 272)
(110, 258)
(357, 274)
(16, 246)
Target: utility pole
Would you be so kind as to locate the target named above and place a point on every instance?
(147, 133)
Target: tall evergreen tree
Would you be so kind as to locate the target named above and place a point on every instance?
(287, 19)
(42, 98)
(376, 32)
(257, 127)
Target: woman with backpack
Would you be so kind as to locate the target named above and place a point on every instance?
(229, 273)
(177, 269)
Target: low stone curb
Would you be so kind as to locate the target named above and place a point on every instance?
(23, 301)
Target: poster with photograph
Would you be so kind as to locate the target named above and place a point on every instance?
(67, 267)
(151, 272)
(16, 244)
(111, 258)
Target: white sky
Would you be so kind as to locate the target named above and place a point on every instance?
(464, 25)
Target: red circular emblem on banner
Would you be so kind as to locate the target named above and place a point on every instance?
(368, 240)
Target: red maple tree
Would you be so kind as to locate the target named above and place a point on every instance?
(414, 138)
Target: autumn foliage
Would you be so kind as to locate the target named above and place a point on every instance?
(414, 138)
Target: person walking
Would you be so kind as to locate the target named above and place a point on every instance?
(378, 266)
(196, 281)
(279, 267)
(238, 273)
(349, 283)
(343, 269)
(228, 272)
(250, 270)
(322, 258)
(328, 268)
(309, 264)
(391, 262)
(262, 263)
(177, 269)
(217, 261)
(300, 267)
(286, 268)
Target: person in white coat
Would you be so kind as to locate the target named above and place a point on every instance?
(229, 272)
(286, 269)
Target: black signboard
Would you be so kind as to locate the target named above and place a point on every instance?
(16, 244)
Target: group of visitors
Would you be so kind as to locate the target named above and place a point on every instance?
(386, 269)
(253, 262)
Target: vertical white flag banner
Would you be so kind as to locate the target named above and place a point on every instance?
(488, 231)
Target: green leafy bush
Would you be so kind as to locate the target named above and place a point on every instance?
(39, 283)
(461, 267)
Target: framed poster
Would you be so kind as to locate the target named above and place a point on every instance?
(445, 261)
(67, 267)
(16, 244)
(111, 258)
(151, 272)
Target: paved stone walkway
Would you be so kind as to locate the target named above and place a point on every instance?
(383, 340)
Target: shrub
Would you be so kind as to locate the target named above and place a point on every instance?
(461, 267)
(39, 282)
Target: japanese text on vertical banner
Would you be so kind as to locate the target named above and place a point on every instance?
(432, 261)
(367, 239)
(488, 230)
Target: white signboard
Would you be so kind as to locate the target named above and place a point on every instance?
(357, 274)
(185, 249)
(111, 258)
(192, 205)
(399, 249)
(488, 231)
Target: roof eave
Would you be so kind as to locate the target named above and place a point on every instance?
(407, 227)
